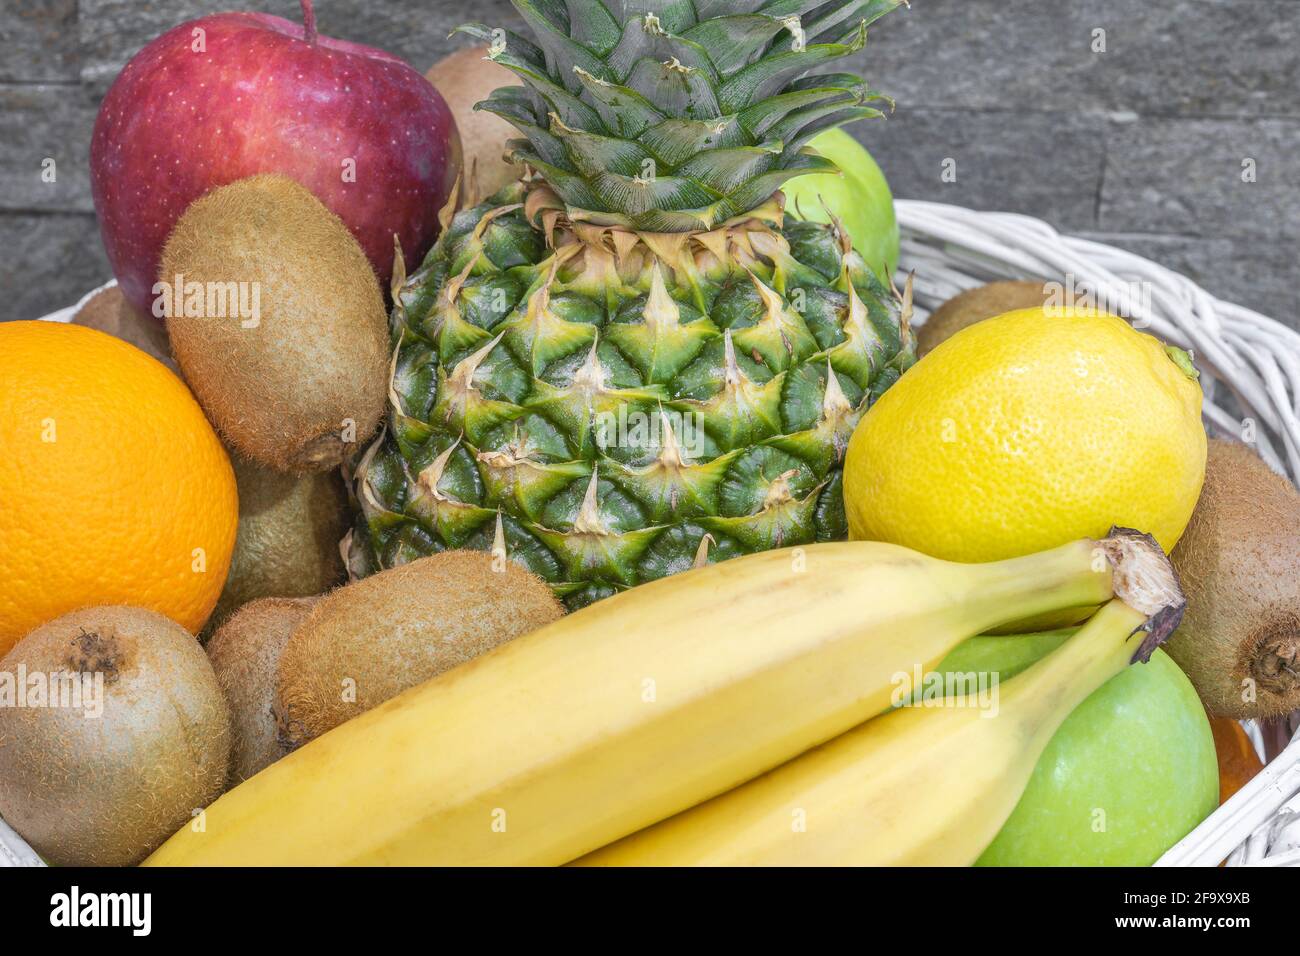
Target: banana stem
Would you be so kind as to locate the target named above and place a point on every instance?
(1146, 581)
(1125, 564)
(1072, 575)
(1066, 677)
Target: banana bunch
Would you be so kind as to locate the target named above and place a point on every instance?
(919, 786)
(660, 699)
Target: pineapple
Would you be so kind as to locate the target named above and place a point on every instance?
(635, 359)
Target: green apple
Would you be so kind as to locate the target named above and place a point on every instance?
(1130, 772)
(859, 197)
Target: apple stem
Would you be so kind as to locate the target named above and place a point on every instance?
(308, 22)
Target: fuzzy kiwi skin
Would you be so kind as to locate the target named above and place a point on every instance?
(1239, 561)
(384, 634)
(298, 391)
(976, 305)
(245, 654)
(108, 311)
(288, 539)
(108, 790)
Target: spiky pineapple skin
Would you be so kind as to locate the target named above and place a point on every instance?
(616, 412)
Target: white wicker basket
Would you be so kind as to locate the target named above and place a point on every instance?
(1244, 358)
(1247, 361)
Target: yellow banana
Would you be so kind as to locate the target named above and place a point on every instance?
(919, 786)
(630, 710)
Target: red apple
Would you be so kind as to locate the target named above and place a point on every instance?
(234, 94)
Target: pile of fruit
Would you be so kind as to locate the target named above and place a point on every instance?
(624, 528)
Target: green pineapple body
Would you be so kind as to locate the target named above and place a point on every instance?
(612, 407)
(634, 361)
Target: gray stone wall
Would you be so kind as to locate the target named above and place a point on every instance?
(1124, 120)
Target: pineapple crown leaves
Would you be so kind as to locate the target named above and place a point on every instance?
(676, 115)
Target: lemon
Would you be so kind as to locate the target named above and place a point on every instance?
(1026, 431)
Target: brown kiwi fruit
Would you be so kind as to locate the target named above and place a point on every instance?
(108, 311)
(288, 539)
(106, 790)
(464, 78)
(976, 305)
(245, 654)
(379, 636)
(300, 384)
(1239, 561)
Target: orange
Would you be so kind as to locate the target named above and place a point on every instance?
(114, 489)
(1238, 762)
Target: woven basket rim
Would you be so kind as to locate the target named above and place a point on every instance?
(1244, 356)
